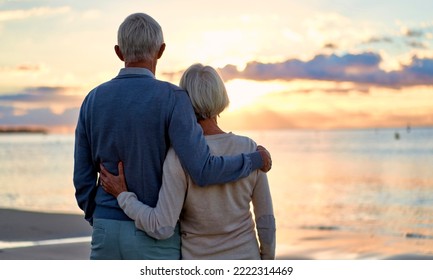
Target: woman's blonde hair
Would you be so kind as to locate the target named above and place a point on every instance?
(206, 90)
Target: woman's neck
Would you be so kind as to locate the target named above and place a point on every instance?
(210, 126)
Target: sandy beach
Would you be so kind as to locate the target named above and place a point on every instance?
(43, 236)
(28, 235)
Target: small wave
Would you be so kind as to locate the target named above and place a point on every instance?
(319, 227)
(418, 236)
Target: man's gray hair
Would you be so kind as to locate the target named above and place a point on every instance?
(139, 37)
(206, 90)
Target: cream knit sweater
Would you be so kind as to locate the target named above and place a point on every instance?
(215, 221)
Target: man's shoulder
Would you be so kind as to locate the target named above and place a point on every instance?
(170, 86)
(103, 85)
(160, 85)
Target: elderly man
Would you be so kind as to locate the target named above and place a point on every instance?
(135, 118)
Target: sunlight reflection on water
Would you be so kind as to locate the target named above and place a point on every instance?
(360, 180)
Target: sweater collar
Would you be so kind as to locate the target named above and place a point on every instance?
(136, 71)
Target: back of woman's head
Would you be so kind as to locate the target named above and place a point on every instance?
(206, 90)
(139, 37)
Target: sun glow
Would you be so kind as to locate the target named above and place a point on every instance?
(245, 93)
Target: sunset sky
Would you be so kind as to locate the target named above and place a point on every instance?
(287, 64)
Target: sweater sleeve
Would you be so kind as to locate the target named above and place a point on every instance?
(85, 174)
(159, 222)
(187, 139)
(265, 220)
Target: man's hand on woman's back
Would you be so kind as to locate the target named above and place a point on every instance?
(266, 157)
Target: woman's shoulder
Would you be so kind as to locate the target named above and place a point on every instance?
(244, 140)
(231, 143)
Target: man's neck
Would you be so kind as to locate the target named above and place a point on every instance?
(143, 64)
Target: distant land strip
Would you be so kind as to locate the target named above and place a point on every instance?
(23, 130)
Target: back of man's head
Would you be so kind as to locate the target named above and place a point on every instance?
(139, 38)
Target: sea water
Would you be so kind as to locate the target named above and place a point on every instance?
(374, 181)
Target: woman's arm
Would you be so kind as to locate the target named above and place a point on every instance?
(265, 220)
(158, 222)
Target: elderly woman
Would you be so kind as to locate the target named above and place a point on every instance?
(215, 221)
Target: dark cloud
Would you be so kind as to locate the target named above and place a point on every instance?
(38, 117)
(380, 40)
(412, 38)
(42, 95)
(331, 46)
(416, 44)
(44, 98)
(413, 33)
(357, 68)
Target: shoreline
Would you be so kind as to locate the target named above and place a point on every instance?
(28, 235)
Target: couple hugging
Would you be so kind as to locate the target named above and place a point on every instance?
(155, 175)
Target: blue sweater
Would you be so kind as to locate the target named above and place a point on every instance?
(135, 118)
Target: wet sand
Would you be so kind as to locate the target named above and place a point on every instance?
(28, 235)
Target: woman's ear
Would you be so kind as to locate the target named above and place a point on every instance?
(119, 52)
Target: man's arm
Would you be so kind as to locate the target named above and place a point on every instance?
(190, 145)
(85, 174)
